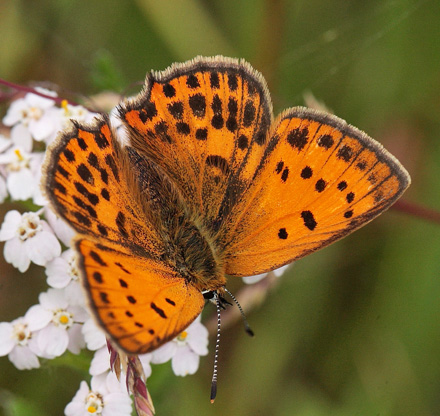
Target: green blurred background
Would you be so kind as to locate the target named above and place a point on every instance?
(351, 330)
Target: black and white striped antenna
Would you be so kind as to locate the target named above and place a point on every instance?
(219, 303)
(247, 328)
(217, 345)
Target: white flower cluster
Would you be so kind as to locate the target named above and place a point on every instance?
(61, 321)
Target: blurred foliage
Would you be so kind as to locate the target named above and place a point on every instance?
(351, 330)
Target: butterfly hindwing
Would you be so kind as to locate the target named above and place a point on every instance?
(319, 180)
(140, 302)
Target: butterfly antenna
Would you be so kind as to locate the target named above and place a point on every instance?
(217, 345)
(245, 322)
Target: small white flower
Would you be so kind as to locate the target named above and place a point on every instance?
(62, 116)
(33, 113)
(28, 238)
(75, 112)
(107, 397)
(21, 172)
(184, 350)
(17, 340)
(62, 324)
(93, 335)
(254, 279)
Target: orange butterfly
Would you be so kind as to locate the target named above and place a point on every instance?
(209, 185)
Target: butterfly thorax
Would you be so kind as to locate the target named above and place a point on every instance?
(192, 252)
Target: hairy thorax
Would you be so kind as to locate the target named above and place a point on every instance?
(195, 257)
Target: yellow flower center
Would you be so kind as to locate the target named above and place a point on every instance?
(64, 106)
(94, 403)
(19, 155)
(182, 336)
(63, 318)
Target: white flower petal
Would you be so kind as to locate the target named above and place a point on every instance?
(23, 358)
(15, 254)
(7, 343)
(74, 294)
(34, 100)
(279, 272)
(185, 362)
(53, 341)
(43, 247)
(15, 112)
(100, 362)
(249, 280)
(164, 353)
(117, 404)
(145, 360)
(5, 142)
(77, 406)
(21, 137)
(21, 184)
(3, 190)
(53, 299)
(76, 339)
(78, 312)
(94, 336)
(41, 129)
(10, 224)
(38, 197)
(33, 345)
(99, 383)
(197, 338)
(113, 385)
(57, 273)
(62, 230)
(38, 317)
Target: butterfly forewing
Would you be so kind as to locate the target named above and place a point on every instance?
(205, 123)
(319, 180)
(89, 183)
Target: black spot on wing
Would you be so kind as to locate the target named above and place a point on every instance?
(282, 234)
(298, 138)
(176, 110)
(169, 90)
(192, 81)
(197, 104)
(309, 220)
(306, 173)
(158, 310)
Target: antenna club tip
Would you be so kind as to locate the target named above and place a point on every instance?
(213, 391)
(212, 401)
(250, 332)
